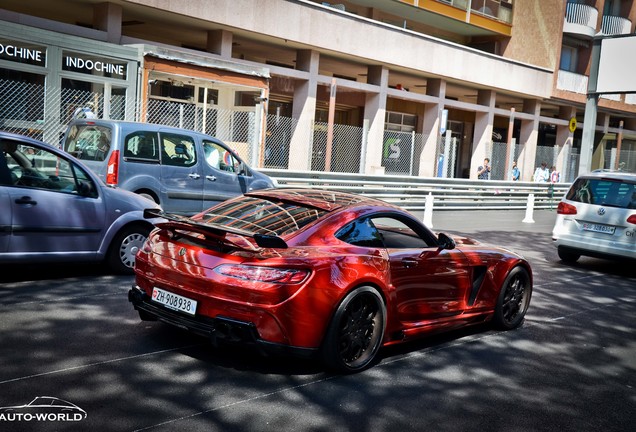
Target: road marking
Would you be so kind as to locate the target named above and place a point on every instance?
(86, 366)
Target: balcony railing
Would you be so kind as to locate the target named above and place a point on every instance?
(571, 81)
(630, 99)
(580, 19)
(615, 25)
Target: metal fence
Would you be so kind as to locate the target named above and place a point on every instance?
(33, 110)
(237, 128)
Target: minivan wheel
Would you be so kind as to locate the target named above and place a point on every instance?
(149, 197)
(123, 249)
(568, 257)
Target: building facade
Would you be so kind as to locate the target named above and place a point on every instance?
(408, 87)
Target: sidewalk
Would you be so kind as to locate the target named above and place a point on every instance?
(467, 221)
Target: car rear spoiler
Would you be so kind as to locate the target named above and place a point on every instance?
(262, 240)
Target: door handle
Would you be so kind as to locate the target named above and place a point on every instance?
(211, 178)
(409, 262)
(25, 200)
(194, 176)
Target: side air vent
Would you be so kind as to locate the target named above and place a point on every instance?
(479, 273)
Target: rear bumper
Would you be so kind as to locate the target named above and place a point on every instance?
(218, 329)
(594, 247)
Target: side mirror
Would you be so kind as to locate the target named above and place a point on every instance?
(242, 169)
(85, 189)
(445, 242)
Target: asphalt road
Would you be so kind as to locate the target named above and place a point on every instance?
(70, 333)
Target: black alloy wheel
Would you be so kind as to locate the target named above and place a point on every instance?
(355, 334)
(514, 299)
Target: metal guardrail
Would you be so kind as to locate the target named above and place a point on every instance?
(411, 193)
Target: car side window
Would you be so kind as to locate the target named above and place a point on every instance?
(219, 158)
(396, 234)
(360, 232)
(177, 150)
(36, 168)
(141, 145)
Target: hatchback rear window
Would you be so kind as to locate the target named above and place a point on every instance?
(88, 142)
(607, 192)
(261, 216)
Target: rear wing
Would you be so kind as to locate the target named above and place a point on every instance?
(183, 222)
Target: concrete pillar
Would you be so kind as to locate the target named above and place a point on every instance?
(564, 139)
(528, 140)
(220, 42)
(304, 111)
(374, 115)
(431, 127)
(108, 17)
(483, 131)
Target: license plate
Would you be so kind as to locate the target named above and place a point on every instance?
(174, 301)
(605, 229)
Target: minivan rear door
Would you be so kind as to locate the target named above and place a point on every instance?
(180, 174)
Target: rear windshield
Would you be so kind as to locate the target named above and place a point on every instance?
(260, 216)
(607, 192)
(88, 142)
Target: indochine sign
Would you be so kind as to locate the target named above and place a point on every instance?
(32, 54)
(92, 65)
(21, 52)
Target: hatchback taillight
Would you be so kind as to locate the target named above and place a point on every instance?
(112, 171)
(566, 209)
(632, 219)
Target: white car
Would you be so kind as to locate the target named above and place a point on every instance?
(597, 217)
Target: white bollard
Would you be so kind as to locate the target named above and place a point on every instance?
(529, 209)
(428, 211)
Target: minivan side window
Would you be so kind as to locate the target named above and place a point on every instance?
(142, 145)
(177, 150)
(88, 142)
(218, 157)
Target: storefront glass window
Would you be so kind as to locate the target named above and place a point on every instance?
(22, 103)
(81, 99)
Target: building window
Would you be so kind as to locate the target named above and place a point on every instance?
(400, 122)
(569, 58)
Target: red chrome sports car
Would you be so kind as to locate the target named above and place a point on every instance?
(322, 272)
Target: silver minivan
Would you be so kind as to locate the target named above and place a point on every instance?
(182, 170)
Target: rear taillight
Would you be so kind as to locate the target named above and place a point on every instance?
(263, 274)
(566, 209)
(112, 171)
(632, 219)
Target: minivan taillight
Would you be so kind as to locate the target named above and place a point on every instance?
(632, 219)
(566, 209)
(112, 170)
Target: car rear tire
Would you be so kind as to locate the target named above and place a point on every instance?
(568, 257)
(356, 331)
(513, 300)
(121, 255)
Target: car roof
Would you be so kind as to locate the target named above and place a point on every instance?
(320, 199)
(25, 139)
(130, 125)
(611, 175)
